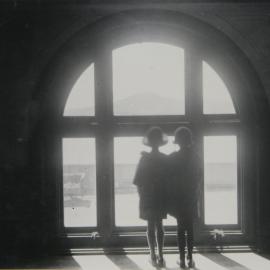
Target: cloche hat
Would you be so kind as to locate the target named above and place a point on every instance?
(155, 134)
(183, 133)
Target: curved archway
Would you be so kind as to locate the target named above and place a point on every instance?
(200, 43)
(220, 51)
(81, 100)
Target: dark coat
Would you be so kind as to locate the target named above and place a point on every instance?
(150, 179)
(184, 183)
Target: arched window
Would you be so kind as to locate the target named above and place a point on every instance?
(136, 79)
(148, 80)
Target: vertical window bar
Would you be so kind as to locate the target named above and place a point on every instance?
(194, 110)
(103, 86)
(103, 94)
(193, 80)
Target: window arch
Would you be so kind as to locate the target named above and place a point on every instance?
(81, 100)
(216, 97)
(112, 128)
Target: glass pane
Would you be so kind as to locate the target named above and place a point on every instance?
(127, 152)
(79, 175)
(148, 79)
(220, 179)
(81, 100)
(216, 97)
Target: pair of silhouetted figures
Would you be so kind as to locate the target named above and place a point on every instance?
(169, 184)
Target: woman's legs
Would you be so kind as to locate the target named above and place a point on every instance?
(185, 225)
(181, 240)
(151, 238)
(190, 237)
(189, 241)
(160, 238)
(155, 234)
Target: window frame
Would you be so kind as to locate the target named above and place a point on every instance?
(124, 126)
(103, 119)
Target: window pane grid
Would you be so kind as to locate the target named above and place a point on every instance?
(132, 113)
(79, 182)
(220, 180)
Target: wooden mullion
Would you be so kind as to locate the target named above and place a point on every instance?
(193, 85)
(104, 111)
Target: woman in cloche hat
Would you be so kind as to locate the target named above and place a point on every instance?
(183, 187)
(150, 181)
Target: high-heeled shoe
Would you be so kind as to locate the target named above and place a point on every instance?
(181, 263)
(190, 262)
(161, 262)
(153, 261)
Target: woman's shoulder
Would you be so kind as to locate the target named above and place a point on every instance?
(173, 155)
(193, 153)
(163, 156)
(160, 157)
(145, 154)
(149, 157)
(144, 157)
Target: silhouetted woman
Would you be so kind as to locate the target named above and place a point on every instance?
(150, 180)
(183, 191)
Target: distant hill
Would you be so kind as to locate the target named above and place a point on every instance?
(141, 104)
(148, 103)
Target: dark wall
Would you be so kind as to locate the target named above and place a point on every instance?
(32, 33)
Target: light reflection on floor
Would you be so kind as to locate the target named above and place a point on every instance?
(250, 260)
(207, 261)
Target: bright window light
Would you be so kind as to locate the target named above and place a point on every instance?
(79, 182)
(81, 98)
(148, 79)
(220, 180)
(216, 97)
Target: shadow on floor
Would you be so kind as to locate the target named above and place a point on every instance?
(178, 268)
(265, 256)
(121, 260)
(44, 262)
(224, 261)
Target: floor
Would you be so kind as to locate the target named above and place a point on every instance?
(204, 261)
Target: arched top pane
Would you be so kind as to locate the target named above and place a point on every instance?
(81, 98)
(216, 97)
(148, 79)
